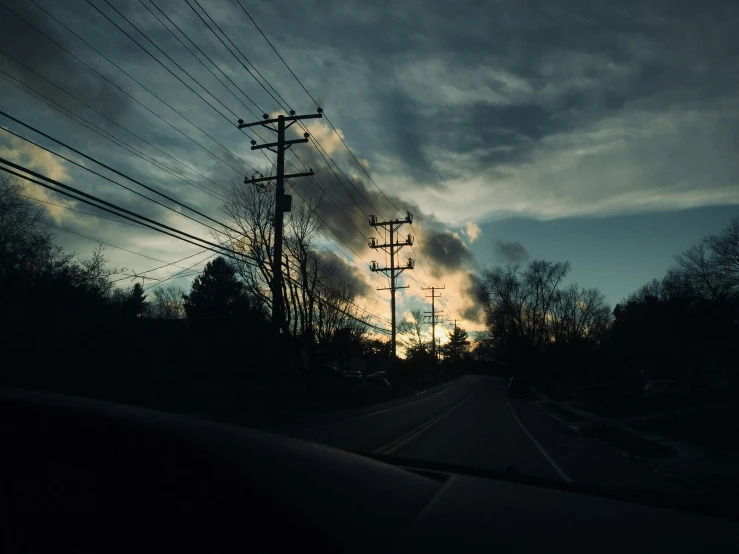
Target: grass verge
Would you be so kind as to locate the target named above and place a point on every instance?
(713, 429)
(631, 444)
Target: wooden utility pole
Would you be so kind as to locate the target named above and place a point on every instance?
(393, 271)
(282, 202)
(432, 315)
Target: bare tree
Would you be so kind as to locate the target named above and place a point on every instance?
(578, 315)
(302, 265)
(251, 215)
(335, 310)
(698, 273)
(410, 334)
(517, 303)
(166, 303)
(25, 238)
(725, 253)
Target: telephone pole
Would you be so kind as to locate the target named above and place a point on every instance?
(393, 271)
(432, 315)
(282, 201)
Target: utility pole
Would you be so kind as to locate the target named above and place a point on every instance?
(393, 271)
(432, 315)
(282, 201)
(454, 330)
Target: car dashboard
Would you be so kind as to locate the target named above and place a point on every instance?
(87, 476)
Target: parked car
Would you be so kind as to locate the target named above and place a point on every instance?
(519, 386)
(661, 388)
(378, 377)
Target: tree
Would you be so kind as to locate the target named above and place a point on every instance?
(251, 214)
(578, 315)
(317, 290)
(25, 239)
(167, 303)
(410, 334)
(517, 305)
(725, 254)
(135, 304)
(686, 325)
(217, 300)
(457, 344)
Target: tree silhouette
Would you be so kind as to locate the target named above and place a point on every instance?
(217, 299)
(410, 336)
(135, 305)
(457, 344)
(167, 303)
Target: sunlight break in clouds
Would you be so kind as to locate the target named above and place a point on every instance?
(26, 154)
(473, 231)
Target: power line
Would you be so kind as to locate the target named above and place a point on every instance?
(250, 73)
(113, 170)
(239, 256)
(77, 99)
(106, 178)
(76, 210)
(102, 132)
(209, 70)
(123, 91)
(169, 70)
(284, 104)
(361, 166)
(431, 266)
(105, 243)
(87, 200)
(204, 55)
(239, 51)
(179, 273)
(317, 104)
(323, 222)
(168, 264)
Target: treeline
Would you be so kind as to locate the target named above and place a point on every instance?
(684, 326)
(68, 326)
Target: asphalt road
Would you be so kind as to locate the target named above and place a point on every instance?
(471, 422)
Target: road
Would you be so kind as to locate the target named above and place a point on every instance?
(471, 422)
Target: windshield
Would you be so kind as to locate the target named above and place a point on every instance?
(497, 236)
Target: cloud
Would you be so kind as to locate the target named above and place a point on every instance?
(21, 30)
(446, 250)
(41, 161)
(473, 231)
(511, 252)
(535, 110)
(471, 289)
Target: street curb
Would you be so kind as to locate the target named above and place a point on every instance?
(550, 414)
(668, 475)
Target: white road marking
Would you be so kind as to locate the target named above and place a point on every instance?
(398, 443)
(549, 459)
(355, 418)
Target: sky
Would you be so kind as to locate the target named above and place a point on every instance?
(600, 133)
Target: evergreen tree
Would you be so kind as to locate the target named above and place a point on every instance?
(217, 300)
(135, 305)
(457, 344)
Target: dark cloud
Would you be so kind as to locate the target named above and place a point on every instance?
(23, 27)
(511, 252)
(446, 251)
(471, 290)
(338, 273)
(423, 92)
